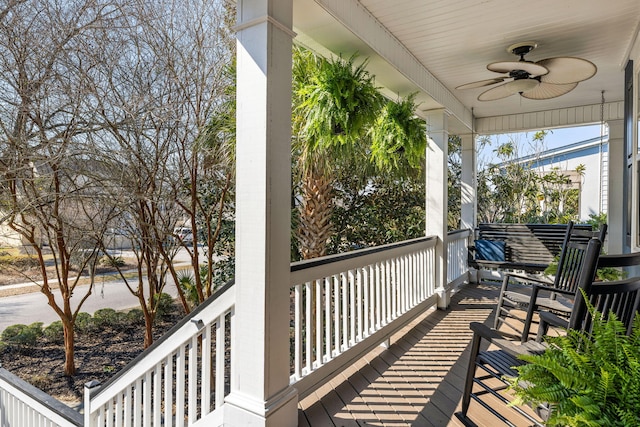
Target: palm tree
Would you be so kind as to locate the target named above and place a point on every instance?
(335, 102)
(341, 120)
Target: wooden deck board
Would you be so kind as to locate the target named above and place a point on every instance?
(417, 381)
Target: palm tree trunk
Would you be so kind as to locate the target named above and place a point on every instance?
(315, 214)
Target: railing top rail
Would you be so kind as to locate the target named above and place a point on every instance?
(329, 259)
(466, 231)
(307, 270)
(160, 341)
(58, 408)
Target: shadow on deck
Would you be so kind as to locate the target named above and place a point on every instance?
(417, 381)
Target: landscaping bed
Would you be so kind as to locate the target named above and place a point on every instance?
(105, 343)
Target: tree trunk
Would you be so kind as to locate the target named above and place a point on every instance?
(69, 349)
(148, 331)
(315, 214)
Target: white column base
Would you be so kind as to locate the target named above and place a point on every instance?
(474, 275)
(443, 298)
(281, 410)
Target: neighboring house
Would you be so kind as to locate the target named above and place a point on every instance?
(593, 154)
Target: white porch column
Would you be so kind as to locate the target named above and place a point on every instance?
(260, 392)
(616, 237)
(437, 197)
(468, 196)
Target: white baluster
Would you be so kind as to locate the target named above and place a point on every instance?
(168, 391)
(206, 373)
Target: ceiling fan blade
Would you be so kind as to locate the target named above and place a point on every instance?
(482, 83)
(548, 90)
(534, 69)
(495, 93)
(563, 70)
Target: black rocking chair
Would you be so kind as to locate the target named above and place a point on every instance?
(517, 292)
(487, 369)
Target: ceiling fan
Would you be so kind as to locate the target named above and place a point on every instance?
(544, 79)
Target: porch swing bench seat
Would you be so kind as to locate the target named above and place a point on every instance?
(518, 247)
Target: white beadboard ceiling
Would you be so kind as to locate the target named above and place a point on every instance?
(452, 41)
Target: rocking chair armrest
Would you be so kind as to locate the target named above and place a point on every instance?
(537, 288)
(549, 319)
(552, 319)
(533, 307)
(526, 278)
(496, 338)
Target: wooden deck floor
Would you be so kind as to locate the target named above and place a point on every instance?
(417, 381)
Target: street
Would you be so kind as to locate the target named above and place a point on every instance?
(34, 307)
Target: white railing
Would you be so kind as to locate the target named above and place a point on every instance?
(342, 306)
(346, 304)
(178, 381)
(23, 405)
(457, 257)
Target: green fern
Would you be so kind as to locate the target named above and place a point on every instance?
(398, 137)
(338, 102)
(588, 379)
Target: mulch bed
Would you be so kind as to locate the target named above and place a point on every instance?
(99, 356)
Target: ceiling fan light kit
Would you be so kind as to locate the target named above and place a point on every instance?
(544, 79)
(521, 85)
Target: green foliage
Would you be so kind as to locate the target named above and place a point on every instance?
(398, 137)
(596, 220)
(223, 271)
(22, 335)
(165, 304)
(454, 182)
(339, 101)
(135, 316)
(187, 283)
(377, 212)
(84, 323)
(589, 379)
(107, 317)
(355, 158)
(512, 191)
(110, 261)
(606, 274)
(54, 332)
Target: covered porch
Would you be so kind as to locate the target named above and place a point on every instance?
(430, 48)
(284, 346)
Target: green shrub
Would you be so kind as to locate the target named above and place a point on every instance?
(54, 332)
(84, 323)
(112, 261)
(606, 274)
(19, 261)
(164, 305)
(22, 335)
(106, 317)
(135, 316)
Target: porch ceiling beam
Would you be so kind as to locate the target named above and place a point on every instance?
(565, 117)
(366, 27)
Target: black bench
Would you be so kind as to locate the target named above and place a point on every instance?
(526, 247)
